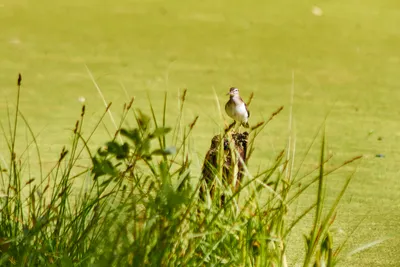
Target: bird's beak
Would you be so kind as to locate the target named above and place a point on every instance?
(228, 93)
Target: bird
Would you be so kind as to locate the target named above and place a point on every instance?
(236, 108)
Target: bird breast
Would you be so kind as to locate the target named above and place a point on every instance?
(241, 110)
(237, 111)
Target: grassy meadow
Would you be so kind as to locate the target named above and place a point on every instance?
(342, 66)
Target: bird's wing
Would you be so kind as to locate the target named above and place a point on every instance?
(245, 106)
(248, 112)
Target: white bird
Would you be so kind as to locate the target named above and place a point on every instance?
(236, 108)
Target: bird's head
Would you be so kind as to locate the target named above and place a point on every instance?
(233, 91)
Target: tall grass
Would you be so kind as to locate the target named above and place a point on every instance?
(139, 204)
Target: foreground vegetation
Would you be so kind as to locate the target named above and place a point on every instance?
(139, 203)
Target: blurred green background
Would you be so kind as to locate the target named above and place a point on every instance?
(344, 56)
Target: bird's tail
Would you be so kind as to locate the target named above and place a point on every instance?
(245, 125)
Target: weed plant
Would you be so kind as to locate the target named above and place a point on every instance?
(140, 204)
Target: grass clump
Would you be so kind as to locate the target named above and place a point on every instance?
(139, 204)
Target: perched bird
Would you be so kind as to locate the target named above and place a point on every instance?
(236, 108)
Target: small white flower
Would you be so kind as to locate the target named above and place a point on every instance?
(317, 11)
(82, 99)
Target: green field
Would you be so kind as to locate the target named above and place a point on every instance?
(345, 63)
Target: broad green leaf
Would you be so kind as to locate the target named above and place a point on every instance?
(160, 131)
(133, 135)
